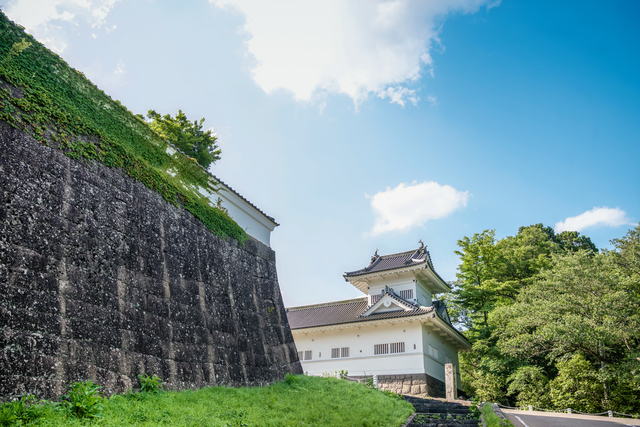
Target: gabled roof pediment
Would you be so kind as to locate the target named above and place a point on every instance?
(389, 302)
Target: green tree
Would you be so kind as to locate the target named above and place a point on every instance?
(491, 274)
(474, 292)
(530, 386)
(579, 306)
(187, 136)
(577, 386)
(573, 241)
(576, 306)
(627, 259)
(491, 277)
(520, 258)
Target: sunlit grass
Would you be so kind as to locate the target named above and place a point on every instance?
(492, 419)
(300, 401)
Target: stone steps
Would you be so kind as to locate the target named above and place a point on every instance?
(443, 423)
(436, 413)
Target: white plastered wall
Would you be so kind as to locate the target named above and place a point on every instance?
(361, 341)
(435, 366)
(252, 221)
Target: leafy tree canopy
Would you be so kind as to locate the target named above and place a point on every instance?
(553, 322)
(187, 136)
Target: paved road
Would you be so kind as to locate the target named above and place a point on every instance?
(547, 419)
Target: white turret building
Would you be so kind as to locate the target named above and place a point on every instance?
(395, 330)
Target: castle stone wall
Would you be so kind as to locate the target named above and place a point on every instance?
(101, 279)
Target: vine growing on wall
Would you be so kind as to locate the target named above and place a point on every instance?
(58, 106)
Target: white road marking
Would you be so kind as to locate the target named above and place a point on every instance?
(520, 419)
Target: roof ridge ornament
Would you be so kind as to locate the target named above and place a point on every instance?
(374, 257)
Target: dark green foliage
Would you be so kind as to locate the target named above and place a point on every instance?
(149, 384)
(58, 106)
(84, 400)
(529, 385)
(577, 386)
(553, 322)
(187, 136)
(290, 379)
(566, 240)
(573, 241)
(474, 410)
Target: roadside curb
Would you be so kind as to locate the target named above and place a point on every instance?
(498, 411)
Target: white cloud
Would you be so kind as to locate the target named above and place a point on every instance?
(596, 216)
(433, 100)
(399, 95)
(407, 206)
(357, 48)
(120, 68)
(39, 17)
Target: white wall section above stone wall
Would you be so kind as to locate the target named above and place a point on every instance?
(252, 220)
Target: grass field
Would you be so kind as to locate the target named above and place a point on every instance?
(297, 401)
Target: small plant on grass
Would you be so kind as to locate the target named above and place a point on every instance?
(368, 383)
(290, 379)
(392, 394)
(25, 410)
(84, 400)
(149, 384)
(238, 418)
(8, 414)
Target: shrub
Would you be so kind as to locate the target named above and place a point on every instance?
(474, 410)
(368, 383)
(84, 400)
(8, 414)
(290, 379)
(24, 410)
(149, 384)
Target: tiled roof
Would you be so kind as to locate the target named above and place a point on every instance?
(243, 198)
(394, 261)
(441, 309)
(340, 312)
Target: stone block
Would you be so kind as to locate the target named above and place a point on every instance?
(101, 279)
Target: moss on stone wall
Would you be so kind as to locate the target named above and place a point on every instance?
(56, 104)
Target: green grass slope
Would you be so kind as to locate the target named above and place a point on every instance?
(297, 401)
(58, 106)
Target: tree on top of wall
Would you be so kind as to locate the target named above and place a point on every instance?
(188, 136)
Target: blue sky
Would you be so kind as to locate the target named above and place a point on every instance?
(373, 124)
